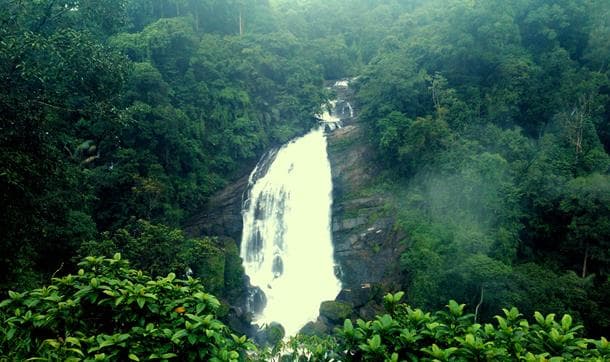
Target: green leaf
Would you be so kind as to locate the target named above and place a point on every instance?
(469, 339)
(374, 342)
(348, 327)
(52, 342)
(550, 319)
(566, 322)
(539, 318)
(73, 340)
(77, 351)
(107, 343)
(179, 334)
(132, 356)
(192, 338)
(10, 334)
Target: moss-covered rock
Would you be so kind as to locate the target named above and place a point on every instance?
(335, 312)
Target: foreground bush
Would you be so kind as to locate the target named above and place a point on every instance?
(407, 334)
(110, 312)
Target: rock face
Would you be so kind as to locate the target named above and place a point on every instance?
(222, 214)
(366, 245)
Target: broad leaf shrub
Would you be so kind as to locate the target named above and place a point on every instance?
(407, 334)
(108, 311)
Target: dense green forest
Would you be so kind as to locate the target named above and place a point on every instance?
(115, 112)
(489, 119)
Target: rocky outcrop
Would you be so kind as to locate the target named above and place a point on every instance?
(366, 244)
(222, 214)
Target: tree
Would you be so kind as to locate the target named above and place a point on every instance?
(57, 78)
(587, 201)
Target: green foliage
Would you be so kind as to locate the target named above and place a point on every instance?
(110, 312)
(411, 334)
(489, 118)
(105, 126)
(57, 76)
(159, 250)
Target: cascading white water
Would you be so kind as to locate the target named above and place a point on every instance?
(286, 244)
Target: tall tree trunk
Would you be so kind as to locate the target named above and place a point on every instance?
(196, 12)
(241, 24)
(584, 262)
(476, 310)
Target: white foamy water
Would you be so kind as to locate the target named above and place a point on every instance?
(286, 244)
(328, 118)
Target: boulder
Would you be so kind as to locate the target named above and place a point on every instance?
(335, 312)
(317, 328)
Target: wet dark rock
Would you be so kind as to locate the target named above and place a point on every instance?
(222, 215)
(270, 335)
(360, 296)
(240, 321)
(370, 310)
(317, 328)
(256, 301)
(278, 266)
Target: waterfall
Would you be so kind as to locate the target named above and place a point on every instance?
(286, 244)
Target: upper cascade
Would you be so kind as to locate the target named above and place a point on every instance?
(336, 111)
